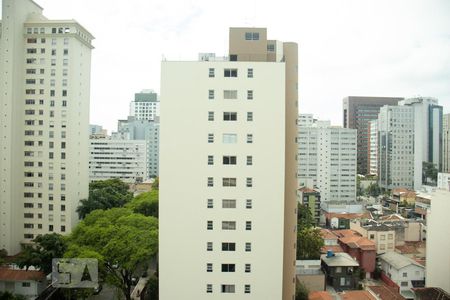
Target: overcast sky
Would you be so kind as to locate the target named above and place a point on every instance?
(346, 47)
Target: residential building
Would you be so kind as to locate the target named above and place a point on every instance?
(396, 166)
(330, 241)
(342, 220)
(327, 157)
(123, 159)
(438, 243)
(373, 147)
(341, 270)
(357, 112)
(402, 271)
(353, 207)
(427, 134)
(44, 95)
(133, 129)
(215, 184)
(310, 274)
(145, 105)
(382, 235)
(28, 283)
(422, 205)
(444, 181)
(446, 143)
(310, 198)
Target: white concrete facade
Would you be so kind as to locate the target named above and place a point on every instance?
(123, 159)
(223, 180)
(443, 181)
(396, 160)
(44, 95)
(438, 243)
(145, 105)
(446, 143)
(373, 147)
(327, 156)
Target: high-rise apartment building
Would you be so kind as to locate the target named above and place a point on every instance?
(427, 134)
(118, 158)
(373, 147)
(44, 100)
(446, 144)
(327, 160)
(396, 147)
(227, 168)
(145, 105)
(357, 112)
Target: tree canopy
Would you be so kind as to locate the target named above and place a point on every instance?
(104, 194)
(145, 203)
(122, 241)
(304, 217)
(309, 240)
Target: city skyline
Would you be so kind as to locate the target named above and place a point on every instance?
(356, 48)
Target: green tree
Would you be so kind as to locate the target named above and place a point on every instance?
(373, 190)
(301, 292)
(104, 194)
(429, 172)
(155, 184)
(309, 243)
(40, 254)
(9, 296)
(145, 203)
(3, 255)
(122, 241)
(152, 287)
(304, 217)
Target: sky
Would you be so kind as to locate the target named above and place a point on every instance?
(395, 48)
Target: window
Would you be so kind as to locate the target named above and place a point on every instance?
(390, 236)
(230, 116)
(63, 207)
(211, 94)
(229, 160)
(338, 270)
(247, 289)
(50, 227)
(249, 138)
(372, 236)
(248, 225)
(230, 72)
(228, 267)
(26, 284)
(250, 73)
(66, 51)
(249, 160)
(271, 48)
(210, 181)
(248, 268)
(209, 225)
(210, 160)
(248, 203)
(28, 215)
(65, 62)
(249, 182)
(252, 36)
(405, 274)
(249, 94)
(63, 228)
(210, 137)
(229, 203)
(53, 51)
(249, 116)
(64, 93)
(227, 288)
(229, 225)
(209, 267)
(227, 181)
(230, 94)
(209, 288)
(382, 237)
(404, 283)
(209, 246)
(248, 247)
(228, 246)
(210, 116)
(210, 203)
(229, 138)
(211, 72)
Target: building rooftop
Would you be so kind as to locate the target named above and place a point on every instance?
(386, 292)
(339, 260)
(358, 242)
(307, 190)
(398, 261)
(349, 216)
(320, 295)
(430, 293)
(357, 295)
(327, 234)
(334, 248)
(7, 274)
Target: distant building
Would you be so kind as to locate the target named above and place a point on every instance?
(123, 159)
(96, 129)
(145, 105)
(357, 112)
(27, 283)
(438, 242)
(373, 147)
(444, 181)
(446, 144)
(326, 156)
(341, 270)
(310, 198)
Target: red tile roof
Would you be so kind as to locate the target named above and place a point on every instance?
(386, 292)
(334, 248)
(358, 242)
(357, 295)
(345, 232)
(320, 295)
(327, 234)
(20, 275)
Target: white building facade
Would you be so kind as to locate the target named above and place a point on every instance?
(145, 105)
(373, 147)
(327, 158)
(44, 95)
(114, 158)
(226, 173)
(396, 164)
(446, 144)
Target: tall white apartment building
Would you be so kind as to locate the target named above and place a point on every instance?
(327, 158)
(117, 158)
(44, 99)
(227, 169)
(427, 133)
(145, 105)
(373, 147)
(396, 165)
(446, 144)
